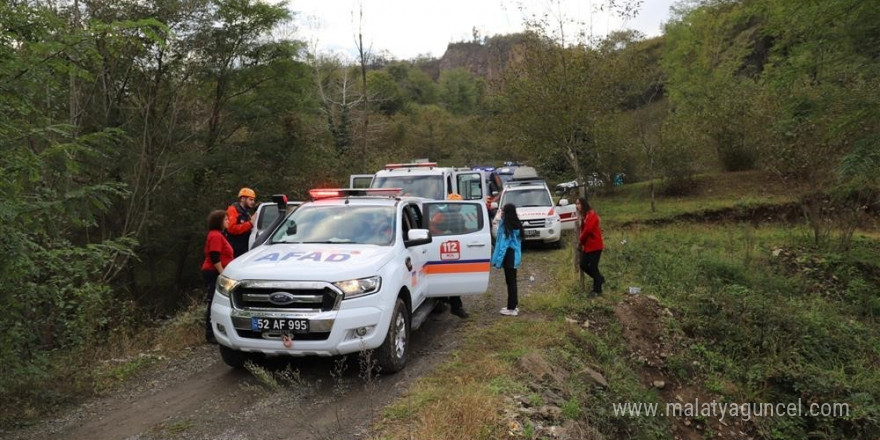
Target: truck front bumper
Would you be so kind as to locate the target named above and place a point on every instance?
(550, 234)
(331, 333)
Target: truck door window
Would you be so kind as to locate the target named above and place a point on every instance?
(453, 218)
(470, 185)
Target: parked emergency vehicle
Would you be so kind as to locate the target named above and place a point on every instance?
(352, 270)
(541, 218)
(426, 179)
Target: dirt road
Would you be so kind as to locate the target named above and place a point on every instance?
(199, 397)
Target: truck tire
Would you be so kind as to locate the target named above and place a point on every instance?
(234, 358)
(391, 355)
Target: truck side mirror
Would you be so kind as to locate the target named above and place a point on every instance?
(417, 237)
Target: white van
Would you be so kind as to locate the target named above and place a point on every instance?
(426, 179)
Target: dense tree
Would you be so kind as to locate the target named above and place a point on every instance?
(57, 292)
(791, 84)
(385, 92)
(460, 91)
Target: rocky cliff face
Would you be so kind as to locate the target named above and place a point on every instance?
(486, 59)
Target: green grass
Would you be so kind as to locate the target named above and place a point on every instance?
(768, 317)
(760, 315)
(632, 202)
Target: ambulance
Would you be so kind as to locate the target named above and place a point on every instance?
(542, 219)
(426, 179)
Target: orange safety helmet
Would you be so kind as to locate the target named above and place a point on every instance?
(454, 196)
(247, 192)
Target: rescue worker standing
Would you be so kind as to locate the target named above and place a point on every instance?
(239, 216)
(218, 255)
(590, 244)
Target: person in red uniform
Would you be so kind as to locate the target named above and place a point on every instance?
(239, 216)
(218, 254)
(590, 244)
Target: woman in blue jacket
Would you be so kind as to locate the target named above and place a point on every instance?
(508, 253)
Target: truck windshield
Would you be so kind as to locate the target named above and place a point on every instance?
(338, 224)
(429, 187)
(527, 197)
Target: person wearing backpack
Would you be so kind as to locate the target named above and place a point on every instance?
(239, 216)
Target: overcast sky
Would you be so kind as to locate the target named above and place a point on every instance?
(408, 28)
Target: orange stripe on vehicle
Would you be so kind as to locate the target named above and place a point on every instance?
(457, 268)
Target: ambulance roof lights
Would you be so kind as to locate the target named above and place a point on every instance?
(392, 166)
(326, 193)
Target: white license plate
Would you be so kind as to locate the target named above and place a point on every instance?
(285, 325)
(532, 232)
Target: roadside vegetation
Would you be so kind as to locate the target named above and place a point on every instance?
(727, 311)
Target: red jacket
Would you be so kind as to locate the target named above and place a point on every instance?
(238, 231)
(216, 242)
(239, 220)
(590, 238)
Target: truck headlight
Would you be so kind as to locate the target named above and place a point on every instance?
(359, 287)
(225, 285)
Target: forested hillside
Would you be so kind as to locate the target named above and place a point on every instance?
(124, 123)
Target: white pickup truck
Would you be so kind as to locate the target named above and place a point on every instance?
(350, 271)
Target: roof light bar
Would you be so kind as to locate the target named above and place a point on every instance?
(326, 193)
(392, 166)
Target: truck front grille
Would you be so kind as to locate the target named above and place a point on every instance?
(534, 223)
(283, 299)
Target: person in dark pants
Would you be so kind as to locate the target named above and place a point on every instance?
(590, 244)
(218, 254)
(450, 223)
(239, 216)
(508, 254)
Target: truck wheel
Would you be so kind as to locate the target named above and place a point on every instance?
(391, 355)
(233, 358)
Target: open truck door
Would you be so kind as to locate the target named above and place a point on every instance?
(471, 185)
(268, 216)
(458, 255)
